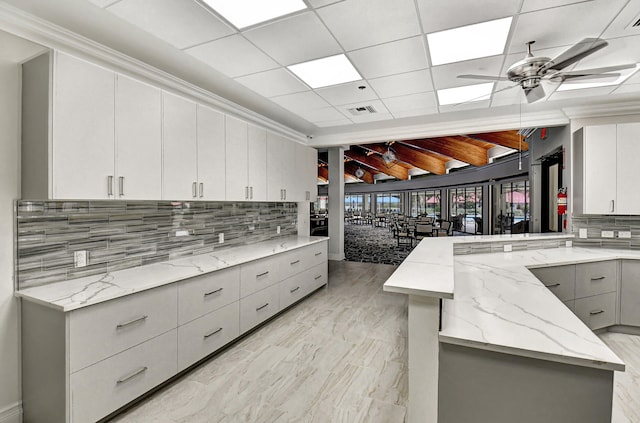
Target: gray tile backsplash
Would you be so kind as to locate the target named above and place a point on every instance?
(596, 224)
(498, 246)
(123, 234)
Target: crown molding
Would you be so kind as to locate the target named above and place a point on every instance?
(47, 34)
(603, 110)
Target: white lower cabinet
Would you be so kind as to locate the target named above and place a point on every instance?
(630, 293)
(258, 307)
(598, 311)
(109, 384)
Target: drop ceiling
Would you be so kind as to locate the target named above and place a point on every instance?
(385, 40)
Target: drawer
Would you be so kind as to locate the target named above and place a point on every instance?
(258, 307)
(317, 276)
(596, 278)
(561, 280)
(260, 274)
(102, 330)
(204, 294)
(319, 252)
(293, 289)
(199, 338)
(106, 386)
(598, 311)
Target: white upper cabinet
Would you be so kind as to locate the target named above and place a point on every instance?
(257, 158)
(179, 148)
(138, 135)
(211, 154)
(307, 171)
(237, 163)
(82, 158)
(282, 183)
(604, 169)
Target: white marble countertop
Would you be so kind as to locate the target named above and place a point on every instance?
(77, 293)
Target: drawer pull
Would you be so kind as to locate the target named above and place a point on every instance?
(130, 322)
(261, 307)
(593, 313)
(294, 262)
(317, 277)
(598, 278)
(213, 332)
(132, 375)
(553, 285)
(262, 274)
(317, 254)
(294, 289)
(215, 291)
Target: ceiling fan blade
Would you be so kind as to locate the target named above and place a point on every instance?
(576, 52)
(598, 77)
(534, 94)
(597, 71)
(484, 77)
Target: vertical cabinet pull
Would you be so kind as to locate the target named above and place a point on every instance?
(246, 193)
(285, 193)
(194, 189)
(121, 185)
(132, 375)
(201, 189)
(251, 193)
(613, 205)
(110, 185)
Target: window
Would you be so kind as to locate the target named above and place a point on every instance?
(511, 212)
(321, 205)
(465, 209)
(389, 203)
(425, 203)
(357, 202)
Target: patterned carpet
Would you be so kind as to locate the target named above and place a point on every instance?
(368, 244)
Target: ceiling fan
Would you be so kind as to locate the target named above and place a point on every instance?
(529, 72)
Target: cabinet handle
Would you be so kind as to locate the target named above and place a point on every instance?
(194, 189)
(593, 313)
(201, 189)
(317, 277)
(110, 185)
(130, 322)
(121, 185)
(132, 375)
(215, 291)
(213, 332)
(598, 278)
(281, 194)
(251, 193)
(262, 274)
(317, 254)
(285, 194)
(246, 193)
(261, 307)
(294, 289)
(613, 205)
(553, 285)
(294, 262)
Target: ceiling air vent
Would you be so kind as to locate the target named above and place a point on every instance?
(362, 110)
(636, 23)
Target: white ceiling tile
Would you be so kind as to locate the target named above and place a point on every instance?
(557, 27)
(512, 95)
(438, 15)
(581, 94)
(347, 93)
(405, 103)
(372, 118)
(380, 108)
(178, 22)
(391, 58)
(320, 115)
(322, 3)
(532, 5)
(446, 76)
(363, 23)
(483, 104)
(301, 101)
(633, 79)
(103, 3)
(402, 84)
(621, 26)
(620, 51)
(296, 39)
(273, 82)
(627, 89)
(413, 113)
(233, 56)
(330, 123)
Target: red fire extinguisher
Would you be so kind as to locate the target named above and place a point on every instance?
(562, 201)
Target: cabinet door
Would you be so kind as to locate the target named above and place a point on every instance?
(306, 172)
(628, 151)
(599, 169)
(138, 135)
(630, 293)
(179, 148)
(257, 156)
(83, 129)
(237, 159)
(275, 167)
(312, 163)
(561, 280)
(211, 155)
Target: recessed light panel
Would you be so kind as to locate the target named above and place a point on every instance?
(327, 71)
(469, 42)
(624, 74)
(244, 13)
(465, 94)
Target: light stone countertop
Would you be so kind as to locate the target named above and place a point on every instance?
(493, 302)
(77, 293)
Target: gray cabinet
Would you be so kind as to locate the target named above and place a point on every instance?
(561, 280)
(630, 293)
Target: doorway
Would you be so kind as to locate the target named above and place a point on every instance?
(552, 167)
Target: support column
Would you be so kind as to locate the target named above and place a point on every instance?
(336, 203)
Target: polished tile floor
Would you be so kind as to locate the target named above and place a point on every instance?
(339, 356)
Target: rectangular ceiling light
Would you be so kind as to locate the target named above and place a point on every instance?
(465, 94)
(331, 70)
(244, 13)
(469, 42)
(624, 75)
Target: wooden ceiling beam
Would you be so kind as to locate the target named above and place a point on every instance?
(376, 162)
(323, 173)
(350, 169)
(415, 157)
(510, 139)
(454, 147)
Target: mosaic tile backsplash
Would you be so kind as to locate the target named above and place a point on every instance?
(123, 234)
(596, 224)
(498, 246)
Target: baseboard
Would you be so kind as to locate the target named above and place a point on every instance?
(629, 330)
(11, 414)
(337, 257)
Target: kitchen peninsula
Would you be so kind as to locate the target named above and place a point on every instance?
(489, 341)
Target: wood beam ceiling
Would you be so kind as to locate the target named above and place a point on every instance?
(454, 147)
(350, 169)
(417, 158)
(323, 173)
(375, 161)
(510, 139)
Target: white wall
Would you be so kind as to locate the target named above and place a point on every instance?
(10, 390)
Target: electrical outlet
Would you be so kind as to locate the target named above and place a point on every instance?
(278, 230)
(606, 234)
(508, 248)
(182, 233)
(80, 258)
(568, 244)
(624, 234)
(582, 233)
(221, 238)
(252, 227)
